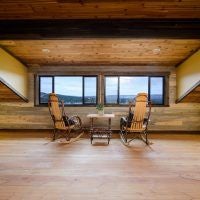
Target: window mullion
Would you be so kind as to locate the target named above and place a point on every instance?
(118, 90)
(83, 90)
(163, 90)
(149, 88)
(53, 84)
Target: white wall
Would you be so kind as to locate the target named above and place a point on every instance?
(14, 73)
(188, 74)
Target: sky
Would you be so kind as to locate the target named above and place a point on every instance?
(72, 86)
(133, 85)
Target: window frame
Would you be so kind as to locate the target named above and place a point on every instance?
(53, 89)
(163, 90)
(149, 89)
(39, 87)
(100, 78)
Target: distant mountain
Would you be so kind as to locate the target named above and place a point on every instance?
(124, 99)
(44, 97)
(157, 99)
(68, 99)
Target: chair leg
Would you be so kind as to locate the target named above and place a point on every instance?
(126, 136)
(145, 137)
(123, 134)
(91, 139)
(54, 135)
(67, 135)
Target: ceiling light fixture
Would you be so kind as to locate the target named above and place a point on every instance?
(156, 50)
(45, 50)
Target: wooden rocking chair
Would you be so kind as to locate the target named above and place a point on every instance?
(137, 120)
(64, 126)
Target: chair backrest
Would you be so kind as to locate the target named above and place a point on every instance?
(56, 111)
(140, 110)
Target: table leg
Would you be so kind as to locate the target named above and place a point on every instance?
(109, 130)
(109, 123)
(91, 129)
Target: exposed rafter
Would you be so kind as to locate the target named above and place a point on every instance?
(51, 29)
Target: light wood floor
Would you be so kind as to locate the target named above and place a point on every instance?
(33, 168)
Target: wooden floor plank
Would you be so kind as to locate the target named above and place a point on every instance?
(34, 168)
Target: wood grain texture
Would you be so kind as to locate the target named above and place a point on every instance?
(89, 9)
(162, 52)
(100, 28)
(7, 95)
(35, 169)
(193, 96)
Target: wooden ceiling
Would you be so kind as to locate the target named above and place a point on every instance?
(92, 9)
(7, 95)
(99, 32)
(161, 52)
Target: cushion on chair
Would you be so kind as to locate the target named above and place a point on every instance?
(130, 118)
(68, 121)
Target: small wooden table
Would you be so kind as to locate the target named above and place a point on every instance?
(100, 132)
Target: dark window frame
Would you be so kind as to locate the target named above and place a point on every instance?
(149, 89)
(118, 88)
(87, 76)
(53, 89)
(163, 89)
(166, 87)
(39, 87)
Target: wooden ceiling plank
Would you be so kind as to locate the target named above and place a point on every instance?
(42, 52)
(99, 9)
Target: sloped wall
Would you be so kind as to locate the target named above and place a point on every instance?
(13, 73)
(188, 74)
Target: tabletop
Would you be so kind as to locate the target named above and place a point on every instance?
(100, 116)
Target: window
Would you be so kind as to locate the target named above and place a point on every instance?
(73, 90)
(122, 89)
(130, 86)
(69, 89)
(156, 90)
(111, 90)
(90, 90)
(118, 90)
(46, 87)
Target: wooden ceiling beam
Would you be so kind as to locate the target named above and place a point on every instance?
(99, 28)
(95, 9)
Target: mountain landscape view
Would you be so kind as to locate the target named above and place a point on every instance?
(125, 99)
(68, 99)
(110, 99)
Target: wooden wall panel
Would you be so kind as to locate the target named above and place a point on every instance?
(184, 116)
(7, 95)
(193, 96)
(90, 9)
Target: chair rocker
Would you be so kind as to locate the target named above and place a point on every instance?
(138, 124)
(64, 126)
